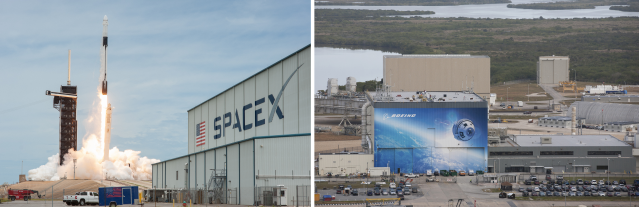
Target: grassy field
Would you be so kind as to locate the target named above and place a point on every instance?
(330, 185)
(517, 92)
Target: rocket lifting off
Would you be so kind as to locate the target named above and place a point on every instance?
(103, 55)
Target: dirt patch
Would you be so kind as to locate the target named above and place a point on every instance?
(518, 92)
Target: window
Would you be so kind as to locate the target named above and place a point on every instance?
(176, 175)
(511, 153)
(604, 152)
(83, 193)
(602, 167)
(517, 169)
(96, 194)
(556, 153)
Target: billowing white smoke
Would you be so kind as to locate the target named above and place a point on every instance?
(121, 165)
(90, 166)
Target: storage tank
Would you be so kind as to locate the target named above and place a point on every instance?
(332, 87)
(351, 84)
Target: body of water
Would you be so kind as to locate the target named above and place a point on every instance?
(498, 11)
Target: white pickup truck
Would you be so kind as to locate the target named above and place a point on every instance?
(82, 198)
(411, 175)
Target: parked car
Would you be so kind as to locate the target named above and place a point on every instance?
(548, 177)
(414, 190)
(369, 192)
(527, 182)
(601, 193)
(401, 197)
(525, 194)
(610, 194)
(541, 194)
(529, 189)
(527, 112)
(536, 189)
(462, 173)
(586, 182)
(580, 182)
(560, 177)
(537, 182)
(556, 193)
(593, 182)
(587, 193)
(580, 194)
(355, 192)
(622, 182)
(533, 177)
(384, 191)
(393, 191)
(573, 194)
(338, 191)
(406, 191)
(573, 182)
(377, 192)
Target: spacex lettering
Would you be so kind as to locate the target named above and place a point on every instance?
(221, 123)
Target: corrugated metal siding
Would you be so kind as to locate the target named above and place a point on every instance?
(246, 173)
(200, 171)
(249, 115)
(261, 91)
(191, 135)
(210, 164)
(233, 166)
(229, 107)
(205, 119)
(275, 85)
(286, 155)
(237, 112)
(172, 167)
(304, 92)
(290, 102)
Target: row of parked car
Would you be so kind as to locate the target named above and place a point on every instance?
(578, 188)
(586, 193)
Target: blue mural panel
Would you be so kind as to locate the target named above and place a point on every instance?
(431, 138)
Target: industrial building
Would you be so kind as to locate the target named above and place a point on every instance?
(553, 69)
(600, 113)
(345, 163)
(438, 73)
(557, 121)
(612, 98)
(412, 132)
(251, 143)
(621, 126)
(332, 87)
(561, 153)
(351, 84)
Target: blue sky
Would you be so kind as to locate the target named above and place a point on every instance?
(164, 57)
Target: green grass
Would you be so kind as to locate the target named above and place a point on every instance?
(492, 190)
(322, 185)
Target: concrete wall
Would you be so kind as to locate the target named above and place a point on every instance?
(345, 163)
(437, 73)
(553, 69)
(626, 162)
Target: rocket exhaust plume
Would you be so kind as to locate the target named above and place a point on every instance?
(95, 160)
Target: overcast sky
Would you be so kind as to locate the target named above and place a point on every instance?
(164, 57)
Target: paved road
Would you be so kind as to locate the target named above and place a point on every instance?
(554, 94)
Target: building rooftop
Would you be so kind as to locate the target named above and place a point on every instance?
(554, 57)
(430, 96)
(568, 141)
(622, 122)
(436, 56)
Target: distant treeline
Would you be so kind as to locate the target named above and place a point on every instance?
(409, 2)
(579, 4)
(601, 50)
(354, 14)
(633, 7)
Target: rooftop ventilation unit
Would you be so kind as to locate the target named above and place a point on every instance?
(546, 140)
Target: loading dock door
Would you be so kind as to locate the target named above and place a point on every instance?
(586, 169)
(580, 169)
(558, 169)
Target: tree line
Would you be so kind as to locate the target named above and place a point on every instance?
(409, 2)
(601, 50)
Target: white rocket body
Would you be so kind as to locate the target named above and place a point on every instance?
(103, 55)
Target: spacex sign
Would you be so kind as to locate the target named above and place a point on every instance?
(221, 124)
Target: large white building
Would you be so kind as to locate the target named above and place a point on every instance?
(255, 136)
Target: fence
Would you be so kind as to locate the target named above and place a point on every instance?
(293, 196)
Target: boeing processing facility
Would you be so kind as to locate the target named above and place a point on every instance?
(431, 113)
(248, 145)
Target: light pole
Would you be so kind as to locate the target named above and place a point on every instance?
(528, 92)
(608, 171)
(507, 95)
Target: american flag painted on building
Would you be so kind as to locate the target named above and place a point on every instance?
(200, 134)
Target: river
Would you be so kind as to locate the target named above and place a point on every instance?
(367, 64)
(498, 11)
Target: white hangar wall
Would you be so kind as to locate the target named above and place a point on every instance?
(237, 136)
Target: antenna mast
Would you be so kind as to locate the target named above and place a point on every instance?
(69, 76)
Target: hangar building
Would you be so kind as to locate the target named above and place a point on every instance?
(438, 73)
(413, 132)
(553, 69)
(251, 138)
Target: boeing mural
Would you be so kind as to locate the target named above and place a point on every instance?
(413, 140)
